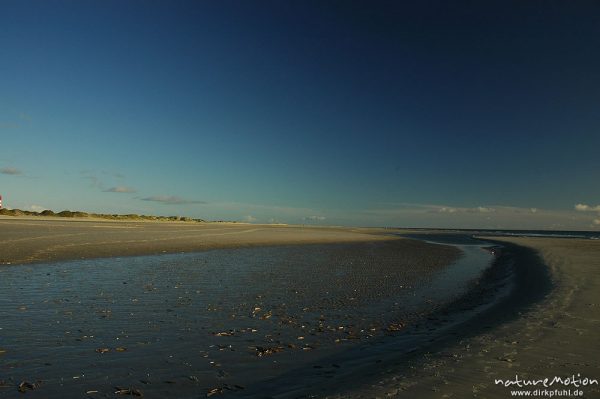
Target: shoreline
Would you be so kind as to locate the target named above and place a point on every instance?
(359, 366)
(485, 299)
(546, 328)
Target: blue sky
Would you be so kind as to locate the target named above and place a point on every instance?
(449, 114)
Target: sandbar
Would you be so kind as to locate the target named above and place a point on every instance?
(31, 240)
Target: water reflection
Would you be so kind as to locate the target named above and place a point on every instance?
(176, 325)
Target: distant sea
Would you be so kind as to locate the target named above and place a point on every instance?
(591, 235)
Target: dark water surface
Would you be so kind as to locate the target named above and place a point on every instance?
(221, 321)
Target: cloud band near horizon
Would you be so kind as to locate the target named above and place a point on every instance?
(172, 200)
(120, 189)
(11, 171)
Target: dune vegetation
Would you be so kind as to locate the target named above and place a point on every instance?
(79, 214)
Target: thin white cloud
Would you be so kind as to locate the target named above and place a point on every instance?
(314, 218)
(450, 209)
(98, 180)
(11, 171)
(446, 209)
(596, 222)
(94, 181)
(412, 215)
(587, 208)
(491, 217)
(171, 200)
(120, 189)
(249, 219)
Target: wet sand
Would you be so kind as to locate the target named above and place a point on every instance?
(180, 325)
(29, 240)
(183, 325)
(549, 327)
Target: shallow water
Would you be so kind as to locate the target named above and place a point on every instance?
(187, 325)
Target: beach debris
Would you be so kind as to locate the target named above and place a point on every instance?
(505, 359)
(83, 337)
(287, 320)
(214, 391)
(229, 333)
(393, 327)
(262, 351)
(25, 386)
(128, 391)
(106, 350)
(105, 313)
(222, 388)
(255, 311)
(266, 315)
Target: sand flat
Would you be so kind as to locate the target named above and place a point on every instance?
(29, 240)
(557, 336)
(554, 335)
(181, 325)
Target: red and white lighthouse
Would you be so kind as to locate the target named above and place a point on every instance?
(0, 201)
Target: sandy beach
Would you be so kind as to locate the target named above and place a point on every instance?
(28, 240)
(242, 307)
(548, 326)
(544, 330)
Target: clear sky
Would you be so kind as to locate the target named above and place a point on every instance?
(421, 113)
